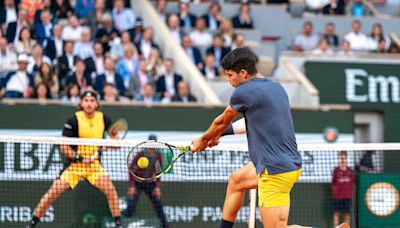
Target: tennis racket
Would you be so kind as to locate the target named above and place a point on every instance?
(151, 159)
(117, 130)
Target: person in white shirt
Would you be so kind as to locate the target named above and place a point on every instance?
(8, 58)
(201, 37)
(307, 40)
(18, 84)
(72, 31)
(146, 43)
(323, 48)
(11, 12)
(83, 49)
(358, 40)
(36, 59)
(173, 25)
(124, 18)
(345, 52)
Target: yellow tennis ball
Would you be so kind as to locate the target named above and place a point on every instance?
(143, 162)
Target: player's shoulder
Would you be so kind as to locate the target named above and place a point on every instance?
(71, 123)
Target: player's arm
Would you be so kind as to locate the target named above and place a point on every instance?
(70, 130)
(236, 128)
(218, 126)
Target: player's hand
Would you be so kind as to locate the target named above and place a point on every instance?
(199, 145)
(131, 192)
(157, 192)
(213, 142)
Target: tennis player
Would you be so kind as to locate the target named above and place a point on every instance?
(275, 161)
(86, 123)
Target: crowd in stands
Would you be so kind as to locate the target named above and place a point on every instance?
(329, 43)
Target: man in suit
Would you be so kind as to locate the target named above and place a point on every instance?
(44, 29)
(187, 20)
(8, 14)
(148, 96)
(54, 46)
(14, 28)
(193, 53)
(95, 64)
(243, 19)
(218, 50)
(146, 44)
(213, 18)
(167, 85)
(183, 94)
(175, 30)
(109, 76)
(209, 70)
(65, 63)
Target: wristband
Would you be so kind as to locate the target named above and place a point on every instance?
(228, 131)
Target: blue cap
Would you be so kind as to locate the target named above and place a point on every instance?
(152, 137)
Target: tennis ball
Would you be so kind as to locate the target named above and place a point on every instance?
(143, 162)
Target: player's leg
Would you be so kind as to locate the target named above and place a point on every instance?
(57, 188)
(239, 181)
(105, 185)
(336, 217)
(346, 217)
(132, 201)
(149, 190)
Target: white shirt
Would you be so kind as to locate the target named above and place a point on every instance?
(19, 82)
(59, 47)
(11, 15)
(83, 50)
(169, 83)
(359, 41)
(124, 19)
(110, 77)
(177, 35)
(32, 63)
(145, 47)
(70, 33)
(143, 81)
(306, 42)
(99, 62)
(47, 29)
(209, 73)
(201, 38)
(70, 59)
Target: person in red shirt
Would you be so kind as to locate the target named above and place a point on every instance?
(342, 190)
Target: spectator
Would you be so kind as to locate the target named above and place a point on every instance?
(377, 35)
(226, 32)
(94, 18)
(186, 19)
(84, 7)
(124, 18)
(173, 24)
(41, 92)
(8, 58)
(358, 8)
(110, 93)
(128, 66)
(8, 14)
(118, 45)
(65, 63)
(72, 31)
(218, 50)
(330, 35)
(107, 32)
(95, 64)
(146, 44)
(381, 47)
(183, 94)
(71, 93)
(25, 43)
(53, 47)
(243, 19)
(199, 36)
(161, 8)
(83, 49)
(213, 18)
(358, 40)
(210, 71)
(31, 6)
(47, 77)
(79, 77)
(139, 80)
(394, 49)
(323, 48)
(155, 66)
(167, 84)
(238, 41)
(345, 52)
(109, 76)
(61, 8)
(193, 53)
(18, 84)
(148, 96)
(37, 59)
(334, 7)
(46, 6)
(14, 28)
(44, 29)
(307, 40)
(137, 33)
(342, 190)
(152, 189)
(367, 163)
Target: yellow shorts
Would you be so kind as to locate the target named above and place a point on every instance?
(274, 190)
(77, 171)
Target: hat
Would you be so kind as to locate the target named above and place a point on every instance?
(23, 58)
(152, 137)
(89, 93)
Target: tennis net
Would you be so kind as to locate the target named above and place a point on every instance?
(192, 194)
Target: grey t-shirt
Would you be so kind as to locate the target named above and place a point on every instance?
(269, 125)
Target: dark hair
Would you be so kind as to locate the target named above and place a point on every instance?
(35, 90)
(343, 153)
(240, 59)
(23, 29)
